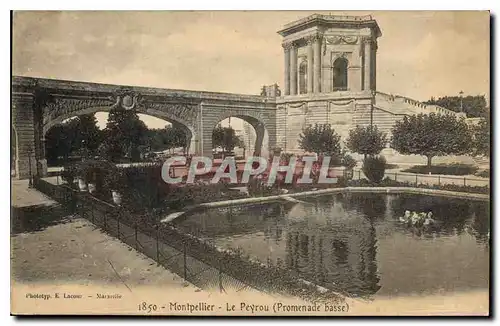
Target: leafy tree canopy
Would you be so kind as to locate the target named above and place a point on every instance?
(124, 133)
(473, 106)
(431, 135)
(366, 140)
(482, 137)
(226, 138)
(73, 136)
(320, 139)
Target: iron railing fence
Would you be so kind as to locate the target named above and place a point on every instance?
(195, 260)
(415, 179)
(412, 179)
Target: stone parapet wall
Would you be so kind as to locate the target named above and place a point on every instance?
(405, 105)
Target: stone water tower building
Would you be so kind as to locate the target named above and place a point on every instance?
(330, 77)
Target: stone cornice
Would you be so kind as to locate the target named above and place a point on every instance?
(66, 88)
(341, 95)
(303, 40)
(355, 22)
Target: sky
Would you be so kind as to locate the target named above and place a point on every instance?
(420, 54)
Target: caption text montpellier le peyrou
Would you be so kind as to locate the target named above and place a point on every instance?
(245, 307)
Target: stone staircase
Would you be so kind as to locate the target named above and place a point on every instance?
(383, 119)
(397, 104)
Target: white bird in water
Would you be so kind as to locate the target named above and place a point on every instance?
(405, 218)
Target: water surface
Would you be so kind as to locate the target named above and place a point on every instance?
(354, 243)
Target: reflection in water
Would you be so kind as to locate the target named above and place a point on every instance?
(355, 243)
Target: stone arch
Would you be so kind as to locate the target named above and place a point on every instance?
(339, 74)
(260, 121)
(161, 114)
(258, 126)
(157, 113)
(190, 128)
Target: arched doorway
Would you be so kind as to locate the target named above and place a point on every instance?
(303, 77)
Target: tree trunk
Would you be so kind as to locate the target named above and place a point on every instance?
(429, 162)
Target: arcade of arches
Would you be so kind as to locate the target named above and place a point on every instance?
(312, 47)
(329, 77)
(39, 104)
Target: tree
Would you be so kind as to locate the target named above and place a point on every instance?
(431, 135)
(320, 139)
(226, 138)
(155, 140)
(124, 133)
(175, 137)
(481, 136)
(473, 106)
(72, 137)
(88, 133)
(366, 140)
(57, 143)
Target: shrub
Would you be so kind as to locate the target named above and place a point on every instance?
(483, 174)
(68, 174)
(89, 170)
(374, 168)
(285, 158)
(348, 162)
(276, 150)
(387, 182)
(259, 188)
(114, 178)
(451, 169)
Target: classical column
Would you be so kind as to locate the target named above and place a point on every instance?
(368, 62)
(293, 70)
(286, 49)
(317, 63)
(310, 68)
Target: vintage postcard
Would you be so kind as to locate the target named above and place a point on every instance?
(250, 163)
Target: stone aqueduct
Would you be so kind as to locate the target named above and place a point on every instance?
(38, 104)
(329, 77)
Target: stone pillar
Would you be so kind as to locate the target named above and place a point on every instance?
(259, 131)
(286, 48)
(310, 74)
(368, 64)
(23, 123)
(293, 70)
(42, 159)
(317, 63)
(192, 143)
(207, 146)
(39, 134)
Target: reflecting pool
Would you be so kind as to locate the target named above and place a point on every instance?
(355, 243)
